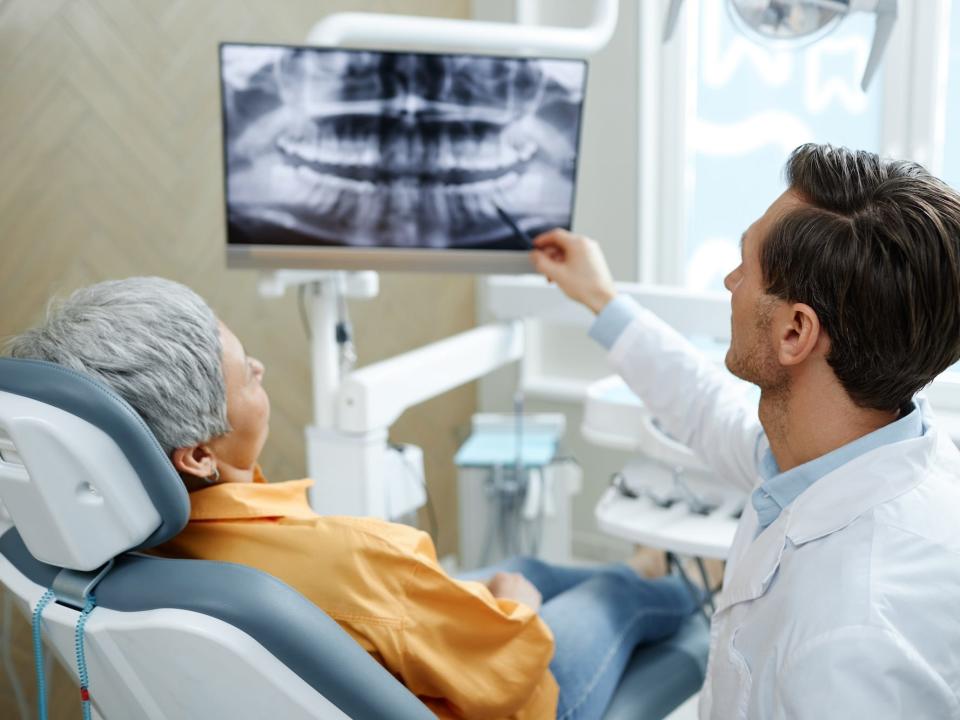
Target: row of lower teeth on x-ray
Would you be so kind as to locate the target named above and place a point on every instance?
(402, 212)
(411, 188)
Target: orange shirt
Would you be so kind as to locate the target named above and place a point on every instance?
(465, 653)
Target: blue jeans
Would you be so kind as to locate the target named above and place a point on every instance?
(598, 615)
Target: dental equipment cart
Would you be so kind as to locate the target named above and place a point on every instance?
(512, 502)
(664, 498)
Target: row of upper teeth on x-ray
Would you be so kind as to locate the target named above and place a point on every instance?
(409, 154)
(439, 118)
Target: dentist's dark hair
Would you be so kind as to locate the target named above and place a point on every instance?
(875, 251)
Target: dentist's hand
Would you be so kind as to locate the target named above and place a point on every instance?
(576, 264)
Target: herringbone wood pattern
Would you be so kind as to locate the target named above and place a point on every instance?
(110, 167)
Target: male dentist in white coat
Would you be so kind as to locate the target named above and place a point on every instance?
(841, 596)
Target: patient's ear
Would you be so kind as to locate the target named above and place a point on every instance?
(197, 461)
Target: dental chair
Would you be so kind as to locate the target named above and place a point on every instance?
(87, 488)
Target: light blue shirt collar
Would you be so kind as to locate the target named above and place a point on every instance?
(779, 489)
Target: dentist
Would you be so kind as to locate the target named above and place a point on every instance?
(841, 594)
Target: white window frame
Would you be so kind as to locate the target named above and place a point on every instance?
(665, 81)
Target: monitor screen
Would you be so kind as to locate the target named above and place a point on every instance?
(394, 160)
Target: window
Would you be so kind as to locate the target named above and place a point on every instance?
(951, 149)
(748, 106)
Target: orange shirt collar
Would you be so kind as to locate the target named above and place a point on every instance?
(257, 499)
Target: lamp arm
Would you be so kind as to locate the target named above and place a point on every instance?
(378, 29)
(670, 24)
(886, 11)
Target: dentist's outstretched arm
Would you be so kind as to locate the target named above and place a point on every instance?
(576, 264)
(694, 400)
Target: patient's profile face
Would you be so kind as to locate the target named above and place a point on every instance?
(248, 408)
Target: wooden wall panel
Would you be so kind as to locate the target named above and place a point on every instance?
(110, 166)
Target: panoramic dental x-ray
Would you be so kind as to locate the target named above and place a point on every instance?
(366, 149)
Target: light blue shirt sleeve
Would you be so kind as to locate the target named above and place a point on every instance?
(613, 320)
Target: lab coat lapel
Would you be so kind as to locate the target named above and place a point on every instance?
(757, 565)
(840, 497)
(828, 505)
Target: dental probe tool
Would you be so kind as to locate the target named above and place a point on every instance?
(521, 235)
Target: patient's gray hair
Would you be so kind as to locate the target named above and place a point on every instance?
(154, 341)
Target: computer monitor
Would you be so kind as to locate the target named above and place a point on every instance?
(356, 159)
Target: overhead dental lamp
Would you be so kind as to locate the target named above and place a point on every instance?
(795, 23)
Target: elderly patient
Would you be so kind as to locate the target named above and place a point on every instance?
(532, 641)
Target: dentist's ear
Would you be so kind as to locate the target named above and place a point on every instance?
(797, 334)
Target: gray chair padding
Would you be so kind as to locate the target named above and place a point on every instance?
(661, 677)
(99, 405)
(289, 626)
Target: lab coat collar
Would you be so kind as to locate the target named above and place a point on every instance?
(842, 496)
(829, 505)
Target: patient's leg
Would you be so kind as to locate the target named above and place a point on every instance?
(597, 625)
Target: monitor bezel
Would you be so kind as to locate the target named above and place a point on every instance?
(270, 256)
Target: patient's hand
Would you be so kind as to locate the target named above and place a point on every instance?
(514, 586)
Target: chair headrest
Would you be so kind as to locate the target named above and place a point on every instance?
(81, 475)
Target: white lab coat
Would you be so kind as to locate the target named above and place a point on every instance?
(848, 605)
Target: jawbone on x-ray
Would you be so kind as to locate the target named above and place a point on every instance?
(337, 147)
